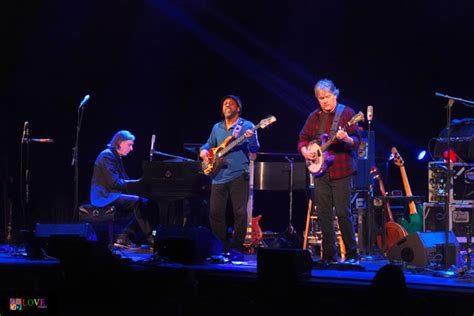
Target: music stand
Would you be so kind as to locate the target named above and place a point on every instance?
(290, 231)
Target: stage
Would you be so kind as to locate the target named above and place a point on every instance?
(90, 278)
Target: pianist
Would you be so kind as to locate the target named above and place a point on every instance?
(109, 181)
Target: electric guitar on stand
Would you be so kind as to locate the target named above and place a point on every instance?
(415, 223)
(216, 154)
(254, 235)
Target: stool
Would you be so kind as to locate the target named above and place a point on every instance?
(311, 217)
(99, 216)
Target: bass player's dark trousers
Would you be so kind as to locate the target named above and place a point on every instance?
(237, 191)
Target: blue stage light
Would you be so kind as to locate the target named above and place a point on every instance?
(421, 155)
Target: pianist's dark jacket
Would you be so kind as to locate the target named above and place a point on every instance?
(109, 178)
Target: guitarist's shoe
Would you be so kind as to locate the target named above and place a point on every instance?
(351, 261)
(234, 255)
(352, 258)
(123, 241)
(326, 261)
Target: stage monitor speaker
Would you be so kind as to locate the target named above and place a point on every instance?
(83, 230)
(186, 244)
(275, 264)
(55, 238)
(420, 249)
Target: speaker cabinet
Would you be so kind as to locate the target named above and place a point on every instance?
(186, 244)
(420, 249)
(275, 264)
(83, 230)
(59, 239)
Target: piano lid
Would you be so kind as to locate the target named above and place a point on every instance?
(171, 180)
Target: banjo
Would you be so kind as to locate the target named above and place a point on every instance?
(317, 166)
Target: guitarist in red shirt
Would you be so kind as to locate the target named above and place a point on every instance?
(333, 179)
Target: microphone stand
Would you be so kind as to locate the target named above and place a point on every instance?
(447, 202)
(75, 158)
(370, 212)
(448, 183)
(25, 173)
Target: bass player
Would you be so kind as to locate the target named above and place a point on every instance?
(231, 182)
(333, 186)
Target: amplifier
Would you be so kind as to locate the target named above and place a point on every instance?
(462, 182)
(437, 173)
(461, 218)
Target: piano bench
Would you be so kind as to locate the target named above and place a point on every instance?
(99, 217)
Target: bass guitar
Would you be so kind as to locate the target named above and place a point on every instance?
(317, 166)
(216, 154)
(415, 222)
(393, 231)
(254, 235)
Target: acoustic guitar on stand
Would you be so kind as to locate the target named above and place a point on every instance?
(415, 223)
(393, 231)
(216, 154)
(319, 165)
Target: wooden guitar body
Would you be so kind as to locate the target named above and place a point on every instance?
(216, 154)
(393, 231)
(216, 160)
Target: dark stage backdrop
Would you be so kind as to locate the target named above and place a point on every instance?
(161, 67)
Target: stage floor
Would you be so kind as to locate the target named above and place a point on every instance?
(192, 289)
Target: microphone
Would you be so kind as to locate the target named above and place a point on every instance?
(84, 101)
(26, 132)
(42, 140)
(152, 147)
(370, 113)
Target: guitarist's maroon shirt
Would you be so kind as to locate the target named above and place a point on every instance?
(342, 166)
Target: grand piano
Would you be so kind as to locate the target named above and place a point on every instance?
(167, 182)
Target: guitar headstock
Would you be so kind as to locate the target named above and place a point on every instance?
(267, 121)
(359, 117)
(397, 159)
(374, 171)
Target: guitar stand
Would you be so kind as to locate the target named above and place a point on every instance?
(292, 239)
(468, 271)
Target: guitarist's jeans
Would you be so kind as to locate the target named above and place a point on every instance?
(237, 191)
(335, 193)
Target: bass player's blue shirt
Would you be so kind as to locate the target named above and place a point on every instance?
(238, 158)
